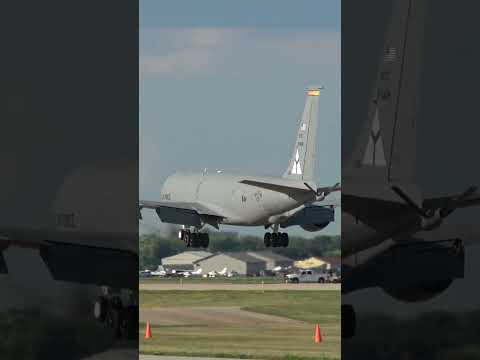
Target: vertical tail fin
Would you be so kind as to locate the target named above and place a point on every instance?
(302, 162)
(386, 148)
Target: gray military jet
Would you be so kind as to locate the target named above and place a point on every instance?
(384, 215)
(196, 199)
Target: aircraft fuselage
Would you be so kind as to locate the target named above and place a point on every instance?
(243, 204)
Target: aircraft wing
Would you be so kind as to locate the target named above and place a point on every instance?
(77, 257)
(279, 185)
(183, 213)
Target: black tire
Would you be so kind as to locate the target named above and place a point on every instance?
(284, 239)
(348, 321)
(267, 240)
(187, 239)
(194, 240)
(321, 280)
(295, 281)
(275, 240)
(100, 309)
(206, 240)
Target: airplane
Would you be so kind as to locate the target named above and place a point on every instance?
(197, 272)
(385, 217)
(223, 272)
(193, 200)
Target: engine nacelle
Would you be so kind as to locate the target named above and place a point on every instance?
(421, 292)
(313, 227)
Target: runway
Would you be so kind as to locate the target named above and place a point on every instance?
(160, 357)
(245, 287)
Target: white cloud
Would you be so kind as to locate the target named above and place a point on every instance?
(185, 52)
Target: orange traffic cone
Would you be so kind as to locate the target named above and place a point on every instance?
(148, 331)
(318, 335)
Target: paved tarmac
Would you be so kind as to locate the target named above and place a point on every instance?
(159, 357)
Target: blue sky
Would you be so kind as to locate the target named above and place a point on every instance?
(222, 86)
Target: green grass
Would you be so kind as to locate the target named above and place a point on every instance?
(246, 341)
(217, 280)
(299, 300)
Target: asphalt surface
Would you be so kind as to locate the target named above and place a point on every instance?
(159, 357)
(249, 287)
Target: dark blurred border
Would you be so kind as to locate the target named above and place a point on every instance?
(69, 174)
(445, 326)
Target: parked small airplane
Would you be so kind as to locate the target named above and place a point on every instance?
(196, 199)
(197, 272)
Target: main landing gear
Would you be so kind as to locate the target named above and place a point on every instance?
(276, 239)
(118, 312)
(194, 239)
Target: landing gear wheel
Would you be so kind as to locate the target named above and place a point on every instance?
(284, 239)
(195, 240)
(348, 321)
(187, 238)
(267, 240)
(275, 240)
(100, 309)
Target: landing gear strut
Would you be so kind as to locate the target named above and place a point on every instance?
(194, 239)
(275, 239)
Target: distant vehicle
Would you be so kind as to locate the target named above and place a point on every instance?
(334, 278)
(145, 273)
(307, 276)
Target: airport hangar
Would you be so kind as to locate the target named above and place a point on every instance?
(244, 263)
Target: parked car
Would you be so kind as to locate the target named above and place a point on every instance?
(307, 276)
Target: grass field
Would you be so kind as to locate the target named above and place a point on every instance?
(287, 334)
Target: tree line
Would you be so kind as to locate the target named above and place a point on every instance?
(155, 246)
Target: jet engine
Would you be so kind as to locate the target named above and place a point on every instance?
(420, 292)
(314, 227)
